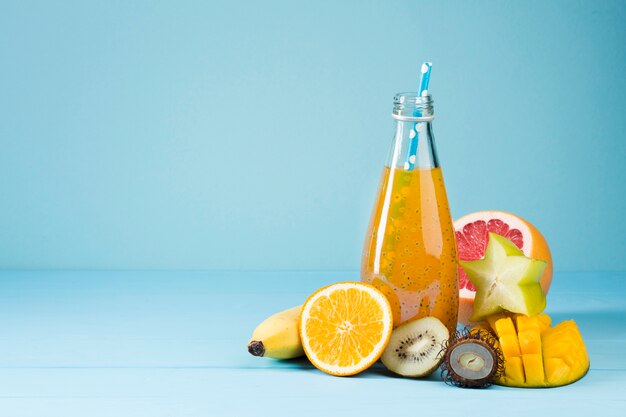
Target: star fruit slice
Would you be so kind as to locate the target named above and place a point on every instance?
(505, 280)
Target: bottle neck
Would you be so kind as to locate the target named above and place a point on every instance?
(413, 145)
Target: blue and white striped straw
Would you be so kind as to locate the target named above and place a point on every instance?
(423, 91)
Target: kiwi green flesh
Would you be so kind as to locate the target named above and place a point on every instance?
(415, 347)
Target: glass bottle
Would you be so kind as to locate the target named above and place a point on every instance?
(410, 248)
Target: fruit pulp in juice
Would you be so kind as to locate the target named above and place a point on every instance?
(410, 249)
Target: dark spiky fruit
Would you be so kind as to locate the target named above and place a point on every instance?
(473, 359)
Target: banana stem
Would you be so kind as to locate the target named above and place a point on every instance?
(256, 348)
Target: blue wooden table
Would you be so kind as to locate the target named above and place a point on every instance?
(84, 343)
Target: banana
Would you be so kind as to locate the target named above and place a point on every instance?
(277, 336)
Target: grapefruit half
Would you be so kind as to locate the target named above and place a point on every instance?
(472, 235)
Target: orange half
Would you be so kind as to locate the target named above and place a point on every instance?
(345, 327)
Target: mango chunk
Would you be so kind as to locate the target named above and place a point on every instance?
(541, 323)
(504, 326)
(545, 321)
(533, 369)
(524, 323)
(557, 371)
(529, 341)
(566, 331)
(558, 349)
(513, 372)
(491, 320)
(510, 346)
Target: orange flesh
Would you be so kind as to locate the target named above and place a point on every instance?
(410, 248)
(337, 343)
(345, 329)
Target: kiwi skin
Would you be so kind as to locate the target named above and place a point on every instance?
(426, 327)
(480, 337)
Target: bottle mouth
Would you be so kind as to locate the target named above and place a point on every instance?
(411, 106)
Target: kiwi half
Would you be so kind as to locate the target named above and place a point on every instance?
(415, 347)
(472, 360)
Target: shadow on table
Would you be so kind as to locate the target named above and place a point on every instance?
(377, 371)
(298, 363)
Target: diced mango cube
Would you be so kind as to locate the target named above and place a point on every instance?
(491, 320)
(545, 321)
(562, 333)
(529, 341)
(533, 369)
(557, 372)
(524, 323)
(513, 371)
(510, 346)
(504, 326)
(558, 349)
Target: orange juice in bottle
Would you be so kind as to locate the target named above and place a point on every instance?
(410, 249)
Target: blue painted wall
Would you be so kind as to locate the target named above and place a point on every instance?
(250, 135)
